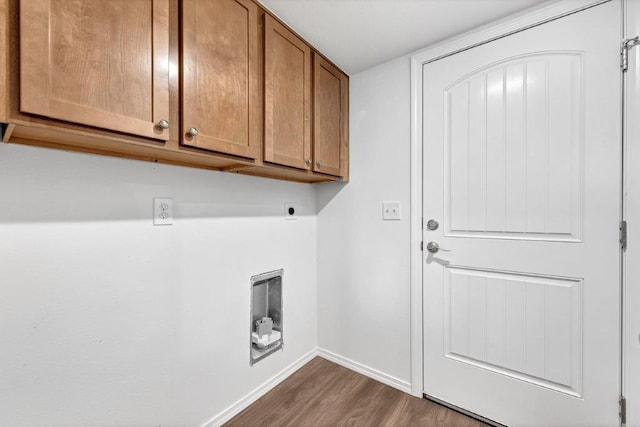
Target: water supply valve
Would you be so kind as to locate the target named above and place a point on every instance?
(264, 326)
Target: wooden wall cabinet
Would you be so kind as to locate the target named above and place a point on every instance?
(221, 77)
(213, 84)
(287, 106)
(330, 118)
(97, 63)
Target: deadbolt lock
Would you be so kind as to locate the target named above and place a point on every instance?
(432, 225)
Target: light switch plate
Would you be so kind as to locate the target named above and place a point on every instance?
(391, 211)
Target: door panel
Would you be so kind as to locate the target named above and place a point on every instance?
(221, 76)
(522, 170)
(532, 187)
(65, 46)
(498, 321)
(287, 107)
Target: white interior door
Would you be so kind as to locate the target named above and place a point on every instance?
(522, 172)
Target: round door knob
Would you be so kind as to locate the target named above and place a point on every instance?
(308, 161)
(193, 132)
(163, 124)
(319, 163)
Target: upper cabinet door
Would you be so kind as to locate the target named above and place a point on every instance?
(221, 80)
(331, 115)
(98, 63)
(287, 107)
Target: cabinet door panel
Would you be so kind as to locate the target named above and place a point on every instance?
(98, 63)
(221, 76)
(287, 97)
(330, 89)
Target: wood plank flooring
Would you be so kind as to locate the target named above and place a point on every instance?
(322, 393)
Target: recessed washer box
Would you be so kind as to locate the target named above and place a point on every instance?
(265, 321)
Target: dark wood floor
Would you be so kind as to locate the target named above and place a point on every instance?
(322, 393)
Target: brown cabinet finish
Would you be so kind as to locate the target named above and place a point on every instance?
(103, 64)
(100, 76)
(5, 36)
(287, 139)
(330, 90)
(221, 80)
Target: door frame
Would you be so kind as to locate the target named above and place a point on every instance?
(527, 19)
(630, 204)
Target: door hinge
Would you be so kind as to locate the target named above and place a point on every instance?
(625, 46)
(422, 246)
(623, 235)
(623, 409)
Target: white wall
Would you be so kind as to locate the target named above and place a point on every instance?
(107, 320)
(363, 262)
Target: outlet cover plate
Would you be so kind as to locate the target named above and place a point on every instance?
(291, 211)
(162, 211)
(391, 211)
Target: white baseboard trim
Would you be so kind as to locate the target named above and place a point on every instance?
(365, 370)
(256, 394)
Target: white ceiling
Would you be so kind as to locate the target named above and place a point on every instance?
(358, 34)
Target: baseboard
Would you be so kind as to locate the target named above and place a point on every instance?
(256, 394)
(365, 370)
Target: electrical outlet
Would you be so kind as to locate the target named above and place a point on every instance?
(290, 211)
(162, 211)
(391, 211)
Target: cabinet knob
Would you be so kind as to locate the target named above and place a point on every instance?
(163, 124)
(308, 161)
(319, 163)
(193, 132)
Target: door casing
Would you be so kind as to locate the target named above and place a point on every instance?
(631, 211)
